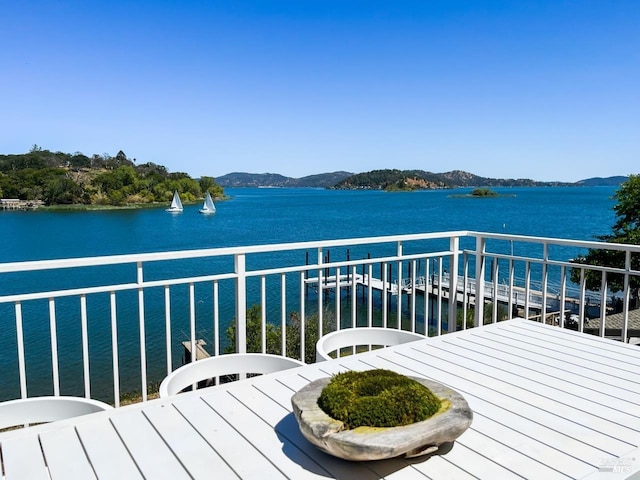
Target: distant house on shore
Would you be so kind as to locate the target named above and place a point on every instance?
(17, 204)
(613, 326)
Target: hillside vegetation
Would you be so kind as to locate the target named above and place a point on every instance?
(57, 178)
(242, 179)
(420, 180)
(393, 180)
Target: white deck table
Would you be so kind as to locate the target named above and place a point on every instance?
(548, 404)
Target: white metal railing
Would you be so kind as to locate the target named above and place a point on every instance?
(119, 323)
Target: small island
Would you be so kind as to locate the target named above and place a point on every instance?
(482, 192)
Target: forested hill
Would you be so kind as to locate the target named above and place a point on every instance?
(419, 179)
(393, 179)
(57, 178)
(242, 179)
(603, 182)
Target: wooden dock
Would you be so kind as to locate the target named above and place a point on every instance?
(201, 353)
(440, 286)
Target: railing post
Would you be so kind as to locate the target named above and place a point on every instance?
(511, 283)
(480, 266)
(114, 349)
(545, 282)
(141, 326)
(303, 276)
(466, 287)
(54, 346)
(85, 345)
(603, 305)
(399, 302)
(563, 296)
(241, 302)
(22, 368)
(192, 322)
(583, 297)
(320, 292)
(454, 245)
(625, 306)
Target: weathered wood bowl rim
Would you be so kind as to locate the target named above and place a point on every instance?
(375, 443)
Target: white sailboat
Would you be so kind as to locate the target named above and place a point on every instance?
(176, 204)
(208, 206)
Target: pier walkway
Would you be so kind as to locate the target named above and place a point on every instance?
(434, 284)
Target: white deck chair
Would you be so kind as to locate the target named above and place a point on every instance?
(360, 336)
(28, 411)
(221, 365)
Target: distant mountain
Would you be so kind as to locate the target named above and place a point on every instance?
(419, 179)
(396, 179)
(603, 182)
(241, 179)
(322, 180)
(458, 178)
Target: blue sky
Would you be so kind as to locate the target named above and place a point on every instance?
(547, 90)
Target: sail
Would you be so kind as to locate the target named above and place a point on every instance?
(176, 203)
(208, 206)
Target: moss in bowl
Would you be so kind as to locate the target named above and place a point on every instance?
(377, 398)
(351, 415)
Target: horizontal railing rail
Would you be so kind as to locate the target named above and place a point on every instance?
(110, 327)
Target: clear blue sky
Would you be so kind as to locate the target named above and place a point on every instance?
(548, 90)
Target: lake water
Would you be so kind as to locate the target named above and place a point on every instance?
(263, 216)
(276, 215)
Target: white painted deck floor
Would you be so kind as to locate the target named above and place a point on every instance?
(548, 404)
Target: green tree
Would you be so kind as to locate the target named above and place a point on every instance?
(311, 337)
(254, 334)
(209, 183)
(78, 160)
(626, 230)
(483, 192)
(274, 335)
(62, 190)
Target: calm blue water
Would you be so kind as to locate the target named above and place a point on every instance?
(251, 216)
(275, 215)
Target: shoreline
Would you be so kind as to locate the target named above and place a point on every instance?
(79, 207)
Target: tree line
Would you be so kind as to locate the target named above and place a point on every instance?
(393, 179)
(57, 178)
(625, 230)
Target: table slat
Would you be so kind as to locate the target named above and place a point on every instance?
(22, 459)
(65, 455)
(151, 453)
(187, 445)
(108, 455)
